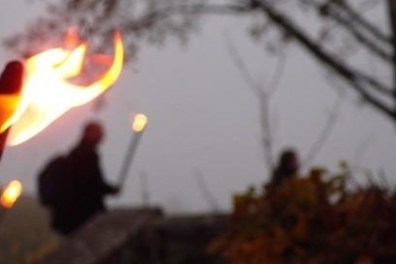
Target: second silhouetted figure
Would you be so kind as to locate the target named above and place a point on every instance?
(288, 167)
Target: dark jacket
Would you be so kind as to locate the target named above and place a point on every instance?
(86, 190)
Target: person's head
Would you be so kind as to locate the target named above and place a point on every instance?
(93, 133)
(289, 161)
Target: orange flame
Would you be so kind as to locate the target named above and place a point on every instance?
(47, 94)
(10, 194)
(8, 104)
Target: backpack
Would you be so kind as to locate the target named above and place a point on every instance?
(51, 181)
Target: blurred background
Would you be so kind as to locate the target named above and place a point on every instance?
(199, 92)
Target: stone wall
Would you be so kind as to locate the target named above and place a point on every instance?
(141, 236)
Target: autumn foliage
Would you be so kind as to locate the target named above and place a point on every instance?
(312, 219)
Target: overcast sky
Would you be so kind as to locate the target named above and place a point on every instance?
(203, 116)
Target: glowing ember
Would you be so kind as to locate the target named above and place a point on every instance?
(47, 93)
(10, 194)
(139, 123)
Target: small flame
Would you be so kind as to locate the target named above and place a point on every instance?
(139, 123)
(47, 94)
(10, 194)
(8, 116)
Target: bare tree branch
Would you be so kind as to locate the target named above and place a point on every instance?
(263, 96)
(145, 189)
(324, 133)
(355, 16)
(362, 149)
(160, 18)
(278, 74)
(392, 22)
(353, 77)
(334, 12)
(206, 193)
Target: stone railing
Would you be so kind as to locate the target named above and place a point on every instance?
(141, 236)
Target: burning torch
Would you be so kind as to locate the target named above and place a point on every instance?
(9, 196)
(48, 90)
(34, 94)
(138, 126)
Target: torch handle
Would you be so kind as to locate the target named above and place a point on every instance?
(11, 83)
(3, 139)
(133, 144)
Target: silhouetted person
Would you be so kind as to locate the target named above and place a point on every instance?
(83, 184)
(287, 168)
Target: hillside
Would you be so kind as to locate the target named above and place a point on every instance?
(24, 232)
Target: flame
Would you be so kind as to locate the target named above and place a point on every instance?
(10, 194)
(8, 115)
(139, 123)
(47, 94)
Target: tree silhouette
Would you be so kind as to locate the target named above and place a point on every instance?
(342, 31)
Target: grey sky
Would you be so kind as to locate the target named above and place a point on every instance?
(202, 115)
